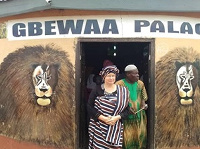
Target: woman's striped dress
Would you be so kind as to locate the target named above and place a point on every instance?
(101, 135)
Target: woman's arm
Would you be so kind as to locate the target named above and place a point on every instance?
(98, 91)
(92, 112)
(124, 115)
(127, 110)
(121, 117)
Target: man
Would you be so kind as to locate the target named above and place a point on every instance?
(135, 133)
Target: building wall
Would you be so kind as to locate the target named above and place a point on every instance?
(38, 131)
(164, 45)
(176, 111)
(176, 124)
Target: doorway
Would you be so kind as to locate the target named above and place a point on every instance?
(121, 52)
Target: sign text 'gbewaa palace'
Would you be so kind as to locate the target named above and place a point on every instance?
(124, 26)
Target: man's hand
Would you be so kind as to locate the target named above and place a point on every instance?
(144, 105)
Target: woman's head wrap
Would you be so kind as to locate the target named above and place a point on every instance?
(108, 69)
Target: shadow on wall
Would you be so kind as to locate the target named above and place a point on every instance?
(37, 96)
(177, 99)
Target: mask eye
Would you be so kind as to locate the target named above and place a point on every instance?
(191, 77)
(38, 77)
(48, 77)
(182, 77)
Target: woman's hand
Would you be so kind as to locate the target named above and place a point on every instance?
(109, 120)
(105, 119)
(113, 119)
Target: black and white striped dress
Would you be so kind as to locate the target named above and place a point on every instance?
(101, 135)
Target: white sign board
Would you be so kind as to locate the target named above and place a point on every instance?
(116, 26)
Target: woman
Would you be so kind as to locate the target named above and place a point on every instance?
(108, 107)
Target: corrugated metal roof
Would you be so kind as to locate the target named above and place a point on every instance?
(13, 7)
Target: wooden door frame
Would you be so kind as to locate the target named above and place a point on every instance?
(151, 88)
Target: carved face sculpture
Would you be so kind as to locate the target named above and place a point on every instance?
(186, 80)
(45, 78)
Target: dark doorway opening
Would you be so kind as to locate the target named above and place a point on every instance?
(121, 54)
